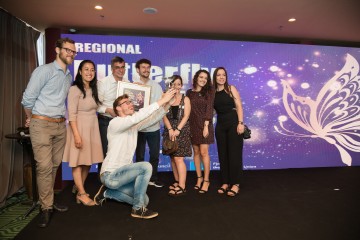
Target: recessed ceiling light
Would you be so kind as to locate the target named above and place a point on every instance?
(72, 30)
(150, 10)
(98, 7)
(291, 20)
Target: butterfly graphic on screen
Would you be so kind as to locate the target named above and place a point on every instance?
(335, 114)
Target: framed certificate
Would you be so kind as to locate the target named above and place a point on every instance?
(139, 94)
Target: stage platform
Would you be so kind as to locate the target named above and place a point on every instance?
(288, 204)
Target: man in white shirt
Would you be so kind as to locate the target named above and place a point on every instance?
(151, 135)
(123, 180)
(107, 88)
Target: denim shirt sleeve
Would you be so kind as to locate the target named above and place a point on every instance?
(32, 92)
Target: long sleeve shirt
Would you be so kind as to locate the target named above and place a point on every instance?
(47, 90)
(122, 136)
(107, 88)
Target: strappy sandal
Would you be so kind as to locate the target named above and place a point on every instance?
(74, 190)
(90, 203)
(222, 190)
(174, 185)
(232, 193)
(196, 187)
(202, 191)
(178, 191)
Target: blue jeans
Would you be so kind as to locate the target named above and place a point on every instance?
(153, 141)
(128, 184)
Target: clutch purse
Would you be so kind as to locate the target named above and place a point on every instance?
(168, 146)
(247, 132)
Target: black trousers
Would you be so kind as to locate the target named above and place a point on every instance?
(230, 148)
(103, 126)
(153, 141)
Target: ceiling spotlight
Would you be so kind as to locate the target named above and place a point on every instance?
(291, 20)
(150, 10)
(72, 30)
(98, 7)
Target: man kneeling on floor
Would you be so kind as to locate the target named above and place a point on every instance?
(123, 180)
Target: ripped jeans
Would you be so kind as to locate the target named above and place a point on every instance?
(128, 184)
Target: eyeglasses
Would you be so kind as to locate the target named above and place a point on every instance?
(69, 51)
(119, 67)
(127, 103)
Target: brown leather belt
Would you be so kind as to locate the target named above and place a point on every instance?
(57, 120)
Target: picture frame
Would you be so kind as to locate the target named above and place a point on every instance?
(139, 94)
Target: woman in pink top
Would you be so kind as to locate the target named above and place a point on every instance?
(83, 145)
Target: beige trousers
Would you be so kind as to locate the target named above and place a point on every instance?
(48, 143)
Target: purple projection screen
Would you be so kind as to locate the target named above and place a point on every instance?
(300, 101)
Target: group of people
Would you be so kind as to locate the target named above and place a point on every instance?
(106, 129)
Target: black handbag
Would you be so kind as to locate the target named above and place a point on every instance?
(168, 146)
(247, 132)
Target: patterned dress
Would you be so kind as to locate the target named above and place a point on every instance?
(83, 111)
(174, 116)
(201, 111)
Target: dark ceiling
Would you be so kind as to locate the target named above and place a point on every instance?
(318, 21)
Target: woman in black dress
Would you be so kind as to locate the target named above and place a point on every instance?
(177, 127)
(201, 125)
(229, 132)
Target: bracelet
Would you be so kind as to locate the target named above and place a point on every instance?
(242, 123)
(178, 129)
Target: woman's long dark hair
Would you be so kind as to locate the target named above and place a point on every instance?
(226, 85)
(93, 83)
(207, 88)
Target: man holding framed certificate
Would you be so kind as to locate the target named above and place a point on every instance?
(138, 93)
(107, 90)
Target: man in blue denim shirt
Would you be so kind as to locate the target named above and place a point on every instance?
(44, 105)
(127, 181)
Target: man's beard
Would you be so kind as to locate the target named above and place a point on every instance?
(145, 75)
(66, 60)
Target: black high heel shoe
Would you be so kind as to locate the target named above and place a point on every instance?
(232, 193)
(196, 187)
(174, 185)
(205, 191)
(223, 190)
(176, 192)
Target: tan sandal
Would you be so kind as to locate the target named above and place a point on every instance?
(90, 203)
